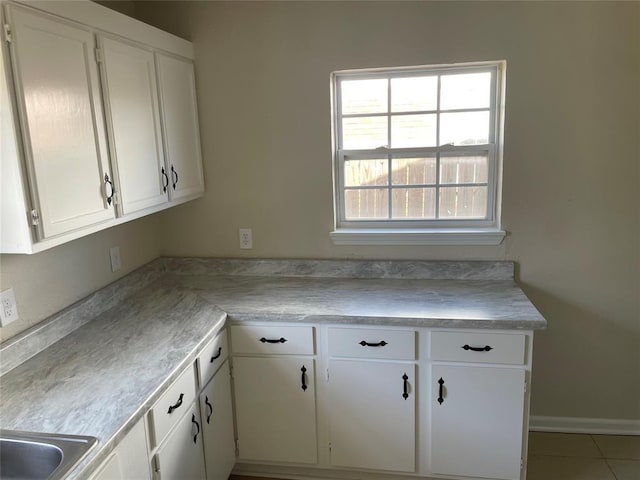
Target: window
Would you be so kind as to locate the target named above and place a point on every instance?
(417, 155)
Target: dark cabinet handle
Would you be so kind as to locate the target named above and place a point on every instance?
(379, 344)
(304, 380)
(217, 355)
(209, 407)
(486, 348)
(193, 420)
(177, 404)
(405, 387)
(166, 178)
(174, 177)
(270, 340)
(107, 181)
(441, 391)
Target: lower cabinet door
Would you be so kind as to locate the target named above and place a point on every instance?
(372, 408)
(477, 421)
(217, 425)
(129, 460)
(275, 409)
(180, 457)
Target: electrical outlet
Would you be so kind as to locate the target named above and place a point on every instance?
(8, 307)
(114, 255)
(246, 239)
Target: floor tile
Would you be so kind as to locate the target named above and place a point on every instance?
(542, 467)
(562, 445)
(619, 446)
(625, 469)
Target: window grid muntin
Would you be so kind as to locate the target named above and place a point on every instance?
(490, 150)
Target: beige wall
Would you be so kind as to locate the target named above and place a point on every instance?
(47, 282)
(571, 169)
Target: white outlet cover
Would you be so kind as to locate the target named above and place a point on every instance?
(246, 239)
(8, 307)
(114, 255)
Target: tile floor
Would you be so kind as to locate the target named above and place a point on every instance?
(567, 456)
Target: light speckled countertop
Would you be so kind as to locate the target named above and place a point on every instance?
(101, 378)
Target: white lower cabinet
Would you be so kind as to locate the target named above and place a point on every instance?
(477, 421)
(129, 460)
(372, 409)
(180, 457)
(276, 409)
(428, 402)
(217, 425)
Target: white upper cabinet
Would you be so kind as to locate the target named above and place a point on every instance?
(99, 122)
(58, 95)
(133, 119)
(180, 121)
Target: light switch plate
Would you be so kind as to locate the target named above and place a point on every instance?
(8, 307)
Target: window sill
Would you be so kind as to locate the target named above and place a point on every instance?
(471, 236)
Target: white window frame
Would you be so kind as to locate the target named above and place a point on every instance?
(485, 231)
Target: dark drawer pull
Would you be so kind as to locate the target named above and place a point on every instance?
(177, 405)
(379, 344)
(209, 407)
(441, 391)
(174, 177)
(271, 340)
(217, 355)
(405, 388)
(166, 178)
(486, 348)
(304, 382)
(193, 420)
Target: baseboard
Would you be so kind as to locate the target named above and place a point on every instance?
(602, 426)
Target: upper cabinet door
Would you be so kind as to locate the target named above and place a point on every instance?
(58, 92)
(180, 121)
(131, 103)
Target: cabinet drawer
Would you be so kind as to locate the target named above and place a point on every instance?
(371, 343)
(267, 339)
(212, 356)
(478, 347)
(172, 405)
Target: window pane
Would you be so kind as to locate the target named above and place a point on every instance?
(364, 132)
(464, 169)
(366, 204)
(413, 171)
(468, 90)
(463, 202)
(414, 203)
(364, 96)
(470, 128)
(366, 172)
(413, 131)
(412, 94)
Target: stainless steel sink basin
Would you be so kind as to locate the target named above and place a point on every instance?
(31, 456)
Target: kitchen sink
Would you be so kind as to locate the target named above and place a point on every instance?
(40, 456)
